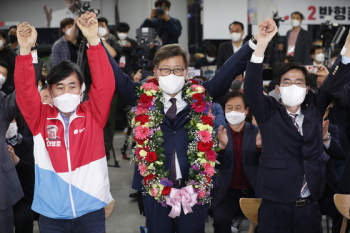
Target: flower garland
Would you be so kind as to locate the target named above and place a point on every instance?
(146, 119)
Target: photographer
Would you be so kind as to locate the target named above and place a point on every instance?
(168, 28)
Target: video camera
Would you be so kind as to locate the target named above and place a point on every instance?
(85, 6)
(326, 33)
(144, 36)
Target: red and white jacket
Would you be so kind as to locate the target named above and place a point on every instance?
(70, 179)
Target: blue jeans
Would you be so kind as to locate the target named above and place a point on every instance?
(93, 222)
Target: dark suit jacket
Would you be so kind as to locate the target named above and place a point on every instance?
(250, 159)
(224, 53)
(10, 187)
(302, 47)
(7, 89)
(286, 155)
(176, 135)
(334, 151)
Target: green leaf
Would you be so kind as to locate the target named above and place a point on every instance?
(166, 174)
(217, 174)
(160, 150)
(217, 149)
(191, 172)
(162, 157)
(217, 162)
(190, 137)
(159, 105)
(188, 126)
(159, 133)
(159, 140)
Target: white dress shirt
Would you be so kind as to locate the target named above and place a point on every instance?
(235, 49)
(180, 105)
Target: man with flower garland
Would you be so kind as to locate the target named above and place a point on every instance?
(169, 114)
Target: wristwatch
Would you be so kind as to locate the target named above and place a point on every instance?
(34, 47)
(327, 138)
(17, 161)
(254, 40)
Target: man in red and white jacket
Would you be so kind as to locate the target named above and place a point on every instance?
(71, 175)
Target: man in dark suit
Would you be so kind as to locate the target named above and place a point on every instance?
(239, 163)
(4, 67)
(175, 134)
(168, 28)
(228, 48)
(298, 41)
(293, 162)
(333, 149)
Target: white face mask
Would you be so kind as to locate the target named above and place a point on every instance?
(67, 102)
(293, 95)
(210, 59)
(12, 130)
(2, 79)
(82, 92)
(68, 31)
(122, 36)
(295, 23)
(235, 118)
(171, 84)
(39, 88)
(102, 31)
(320, 57)
(235, 36)
(1, 43)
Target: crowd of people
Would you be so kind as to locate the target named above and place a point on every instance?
(286, 143)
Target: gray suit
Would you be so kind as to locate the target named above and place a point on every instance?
(10, 187)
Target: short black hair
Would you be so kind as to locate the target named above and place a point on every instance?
(65, 22)
(236, 22)
(103, 19)
(335, 53)
(313, 49)
(43, 88)
(160, 3)
(5, 65)
(13, 26)
(292, 66)
(210, 50)
(61, 71)
(123, 27)
(3, 34)
(234, 94)
(297, 12)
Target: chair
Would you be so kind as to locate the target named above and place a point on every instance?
(109, 209)
(342, 202)
(250, 207)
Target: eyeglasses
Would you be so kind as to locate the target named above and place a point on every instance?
(288, 83)
(167, 71)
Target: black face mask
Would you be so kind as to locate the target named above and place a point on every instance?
(12, 38)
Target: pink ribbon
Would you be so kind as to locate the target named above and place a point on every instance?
(185, 196)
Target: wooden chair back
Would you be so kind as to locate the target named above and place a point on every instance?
(342, 202)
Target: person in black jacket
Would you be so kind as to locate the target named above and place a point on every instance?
(9, 56)
(168, 28)
(298, 41)
(21, 153)
(207, 64)
(293, 162)
(128, 46)
(4, 67)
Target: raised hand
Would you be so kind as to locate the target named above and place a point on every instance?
(347, 45)
(322, 70)
(325, 129)
(222, 136)
(258, 140)
(267, 30)
(26, 36)
(89, 26)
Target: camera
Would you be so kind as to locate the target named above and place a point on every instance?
(144, 36)
(85, 6)
(326, 33)
(160, 11)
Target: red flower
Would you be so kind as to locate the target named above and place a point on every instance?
(208, 179)
(151, 157)
(153, 80)
(199, 106)
(149, 178)
(145, 101)
(197, 96)
(142, 118)
(211, 155)
(207, 120)
(194, 81)
(139, 141)
(166, 191)
(202, 146)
